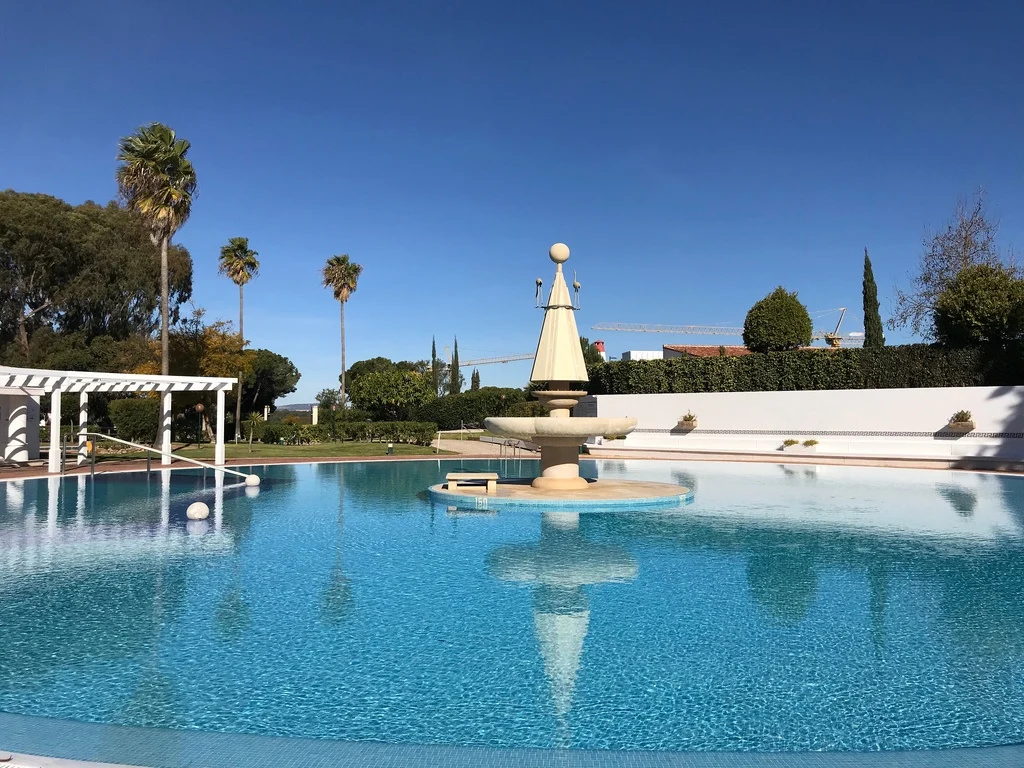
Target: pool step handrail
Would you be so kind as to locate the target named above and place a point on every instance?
(151, 449)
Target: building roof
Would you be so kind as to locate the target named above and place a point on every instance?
(707, 350)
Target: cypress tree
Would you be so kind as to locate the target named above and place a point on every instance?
(435, 367)
(873, 335)
(474, 380)
(455, 378)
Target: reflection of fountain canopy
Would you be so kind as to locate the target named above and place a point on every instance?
(559, 566)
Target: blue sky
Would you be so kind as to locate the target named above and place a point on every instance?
(693, 156)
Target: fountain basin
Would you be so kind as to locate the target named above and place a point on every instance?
(542, 429)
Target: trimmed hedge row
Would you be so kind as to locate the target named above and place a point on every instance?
(452, 411)
(900, 367)
(415, 432)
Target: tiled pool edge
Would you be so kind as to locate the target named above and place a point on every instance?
(164, 748)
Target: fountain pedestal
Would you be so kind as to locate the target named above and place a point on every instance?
(558, 363)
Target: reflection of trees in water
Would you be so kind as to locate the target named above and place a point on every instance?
(963, 500)
(336, 599)
(979, 585)
(232, 616)
(783, 582)
(75, 615)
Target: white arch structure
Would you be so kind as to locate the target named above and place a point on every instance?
(22, 388)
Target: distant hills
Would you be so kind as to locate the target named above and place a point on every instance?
(296, 407)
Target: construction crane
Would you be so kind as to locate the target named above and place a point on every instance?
(502, 359)
(486, 360)
(832, 338)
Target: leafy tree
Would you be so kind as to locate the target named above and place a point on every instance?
(328, 401)
(873, 335)
(378, 364)
(198, 349)
(117, 292)
(455, 379)
(238, 261)
(969, 239)
(777, 322)
(271, 376)
(156, 179)
(474, 381)
(38, 259)
(341, 275)
(591, 354)
(984, 304)
(87, 270)
(391, 395)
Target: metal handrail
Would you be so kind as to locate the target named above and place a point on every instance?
(167, 453)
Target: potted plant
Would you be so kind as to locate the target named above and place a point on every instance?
(791, 444)
(961, 421)
(810, 445)
(688, 421)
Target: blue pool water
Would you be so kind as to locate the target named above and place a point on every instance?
(785, 609)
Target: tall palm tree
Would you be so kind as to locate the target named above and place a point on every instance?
(341, 276)
(156, 179)
(238, 261)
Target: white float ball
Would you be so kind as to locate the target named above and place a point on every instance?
(197, 510)
(252, 480)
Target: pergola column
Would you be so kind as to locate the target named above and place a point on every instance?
(83, 425)
(165, 426)
(53, 465)
(218, 454)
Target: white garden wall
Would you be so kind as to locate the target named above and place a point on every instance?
(898, 423)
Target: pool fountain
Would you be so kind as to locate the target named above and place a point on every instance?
(559, 364)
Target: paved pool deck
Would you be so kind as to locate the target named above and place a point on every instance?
(110, 745)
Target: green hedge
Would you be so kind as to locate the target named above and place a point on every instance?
(135, 419)
(908, 366)
(415, 432)
(452, 411)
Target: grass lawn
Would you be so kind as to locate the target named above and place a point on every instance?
(259, 450)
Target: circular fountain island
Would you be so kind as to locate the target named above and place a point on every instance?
(558, 363)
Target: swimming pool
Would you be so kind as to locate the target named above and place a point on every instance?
(788, 608)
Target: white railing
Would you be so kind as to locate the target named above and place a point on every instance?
(150, 449)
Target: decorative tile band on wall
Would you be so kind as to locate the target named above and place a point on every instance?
(938, 435)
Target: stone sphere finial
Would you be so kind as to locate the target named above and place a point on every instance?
(559, 253)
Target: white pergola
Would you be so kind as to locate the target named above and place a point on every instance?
(24, 386)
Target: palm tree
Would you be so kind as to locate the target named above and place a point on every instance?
(238, 261)
(254, 424)
(341, 276)
(156, 179)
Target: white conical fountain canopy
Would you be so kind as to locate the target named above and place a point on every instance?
(559, 356)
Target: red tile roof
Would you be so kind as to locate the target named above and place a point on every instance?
(707, 350)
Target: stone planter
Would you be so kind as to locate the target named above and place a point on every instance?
(688, 426)
(960, 426)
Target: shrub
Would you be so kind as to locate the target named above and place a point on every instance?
(135, 419)
(452, 411)
(527, 408)
(960, 416)
(810, 443)
(688, 417)
(911, 365)
(790, 442)
(776, 323)
(272, 433)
